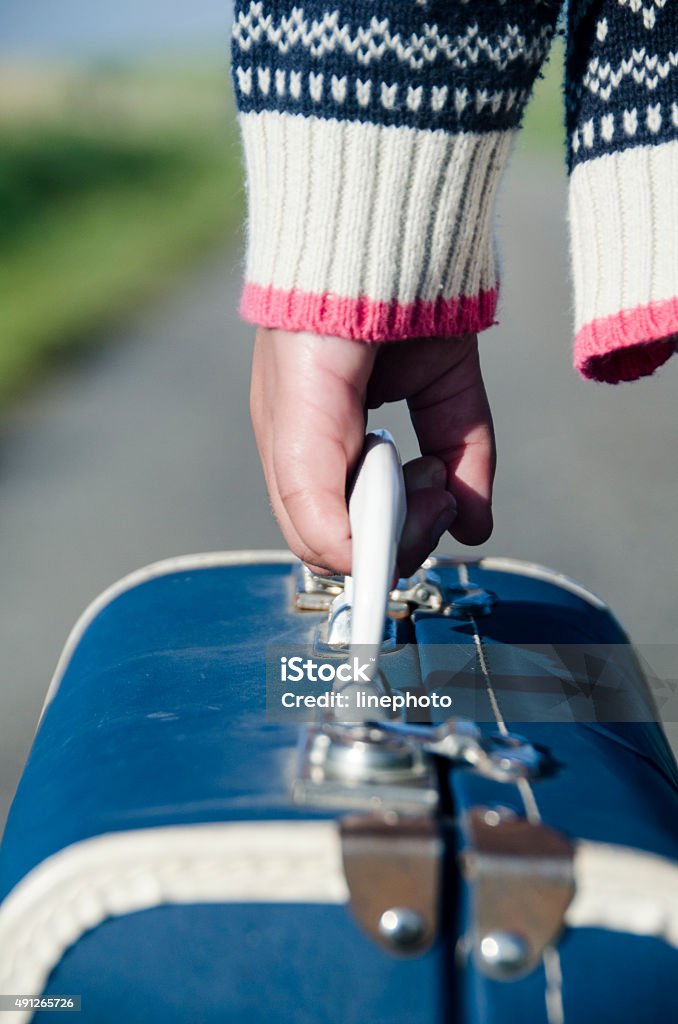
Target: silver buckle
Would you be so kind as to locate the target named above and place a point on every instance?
(390, 765)
(316, 593)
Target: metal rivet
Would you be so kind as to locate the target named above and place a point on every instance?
(494, 816)
(402, 926)
(504, 951)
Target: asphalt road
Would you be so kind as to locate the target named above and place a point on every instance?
(142, 449)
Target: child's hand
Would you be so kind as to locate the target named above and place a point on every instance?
(308, 401)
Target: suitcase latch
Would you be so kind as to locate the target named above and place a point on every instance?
(522, 881)
(504, 757)
(393, 871)
(361, 766)
(392, 765)
(317, 593)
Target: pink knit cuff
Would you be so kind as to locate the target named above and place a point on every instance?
(629, 344)
(366, 320)
(368, 231)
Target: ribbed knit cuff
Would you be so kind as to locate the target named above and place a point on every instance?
(624, 229)
(369, 231)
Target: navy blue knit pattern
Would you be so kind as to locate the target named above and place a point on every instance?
(621, 75)
(453, 66)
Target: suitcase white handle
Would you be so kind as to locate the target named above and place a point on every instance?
(376, 511)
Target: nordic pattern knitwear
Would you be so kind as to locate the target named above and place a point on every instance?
(622, 122)
(375, 137)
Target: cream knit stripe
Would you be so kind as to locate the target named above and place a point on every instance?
(357, 209)
(449, 215)
(256, 182)
(623, 212)
(422, 242)
(328, 165)
(386, 192)
(467, 222)
(424, 174)
(403, 273)
(483, 240)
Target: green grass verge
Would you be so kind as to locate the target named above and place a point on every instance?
(118, 178)
(97, 214)
(543, 131)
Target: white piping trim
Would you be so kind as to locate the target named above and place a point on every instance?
(626, 890)
(165, 567)
(118, 873)
(541, 572)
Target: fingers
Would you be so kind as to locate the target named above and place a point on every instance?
(442, 382)
(308, 398)
(452, 420)
(307, 401)
(431, 510)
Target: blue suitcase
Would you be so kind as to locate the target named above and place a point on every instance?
(175, 853)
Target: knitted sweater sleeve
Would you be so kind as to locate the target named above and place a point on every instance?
(622, 120)
(374, 137)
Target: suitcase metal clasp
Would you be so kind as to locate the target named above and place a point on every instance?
(521, 875)
(361, 766)
(391, 764)
(316, 593)
(504, 757)
(393, 869)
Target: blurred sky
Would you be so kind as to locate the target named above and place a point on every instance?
(86, 28)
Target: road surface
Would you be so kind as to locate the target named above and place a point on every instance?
(141, 449)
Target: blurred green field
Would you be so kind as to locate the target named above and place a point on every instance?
(114, 178)
(543, 132)
(111, 180)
